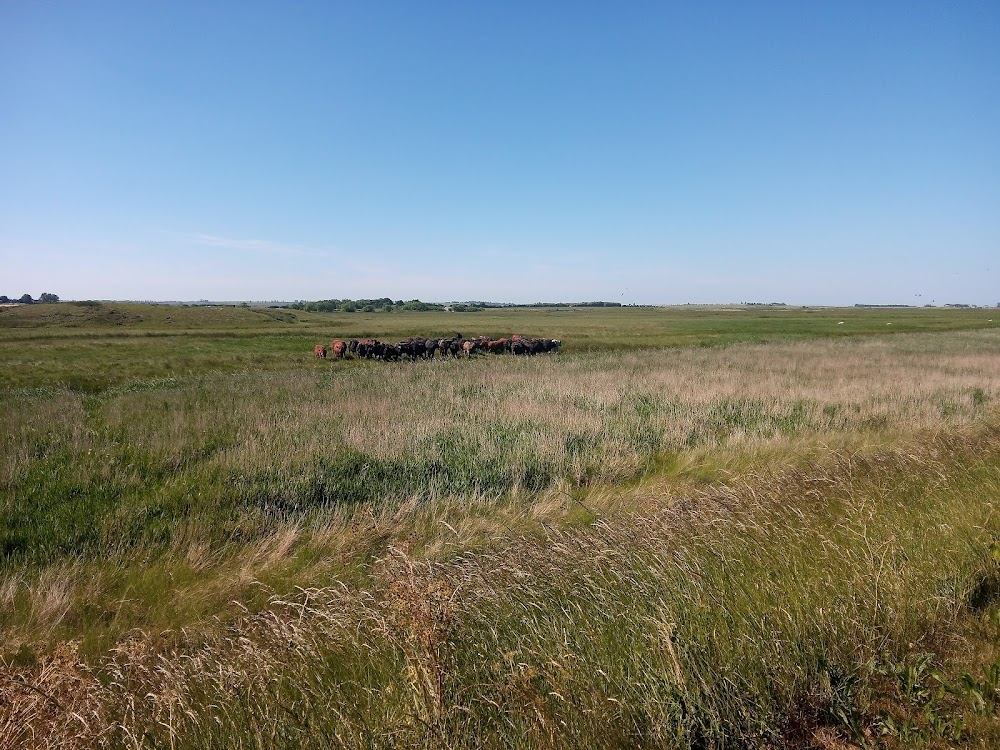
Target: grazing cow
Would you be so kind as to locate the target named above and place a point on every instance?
(419, 347)
(390, 352)
(499, 346)
(413, 347)
(480, 344)
(450, 347)
(375, 349)
(455, 344)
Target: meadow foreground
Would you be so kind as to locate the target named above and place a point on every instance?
(787, 542)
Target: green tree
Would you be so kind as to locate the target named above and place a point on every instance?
(46, 297)
(26, 299)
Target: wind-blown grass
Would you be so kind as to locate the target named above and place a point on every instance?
(680, 547)
(745, 617)
(98, 475)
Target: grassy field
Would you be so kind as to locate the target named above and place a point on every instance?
(695, 527)
(91, 347)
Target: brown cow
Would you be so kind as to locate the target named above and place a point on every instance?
(338, 348)
(320, 351)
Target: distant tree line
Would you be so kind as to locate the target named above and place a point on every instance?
(385, 304)
(571, 304)
(27, 299)
(545, 304)
(382, 304)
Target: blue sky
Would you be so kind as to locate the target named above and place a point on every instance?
(806, 152)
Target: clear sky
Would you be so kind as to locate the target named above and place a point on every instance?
(662, 152)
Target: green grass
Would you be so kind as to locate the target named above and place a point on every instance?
(695, 527)
(806, 610)
(92, 348)
(129, 467)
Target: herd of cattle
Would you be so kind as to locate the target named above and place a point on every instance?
(418, 347)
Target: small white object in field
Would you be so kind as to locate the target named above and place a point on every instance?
(888, 324)
(840, 323)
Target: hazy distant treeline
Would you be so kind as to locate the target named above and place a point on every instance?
(27, 299)
(385, 304)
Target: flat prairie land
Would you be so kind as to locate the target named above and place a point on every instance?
(693, 527)
(89, 346)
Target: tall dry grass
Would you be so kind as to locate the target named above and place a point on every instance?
(600, 414)
(744, 616)
(159, 501)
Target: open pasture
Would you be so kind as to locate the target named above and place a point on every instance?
(89, 348)
(691, 525)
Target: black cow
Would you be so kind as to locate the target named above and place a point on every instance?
(418, 347)
(450, 347)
